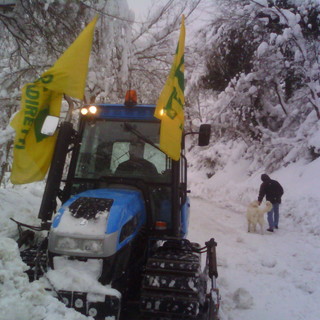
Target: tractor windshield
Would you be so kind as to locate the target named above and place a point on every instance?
(113, 149)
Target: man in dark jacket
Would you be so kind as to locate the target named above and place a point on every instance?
(273, 191)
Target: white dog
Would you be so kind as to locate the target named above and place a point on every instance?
(255, 215)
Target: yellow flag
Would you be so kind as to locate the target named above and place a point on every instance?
(170, 104)
(33, 151)
(69, 73)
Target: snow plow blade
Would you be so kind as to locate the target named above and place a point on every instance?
(97, 306)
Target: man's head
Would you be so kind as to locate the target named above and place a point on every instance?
(136, 149)
(265, 177)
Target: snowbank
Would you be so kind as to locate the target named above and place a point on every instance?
(21, 300)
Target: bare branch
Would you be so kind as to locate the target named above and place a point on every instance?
(279, 98)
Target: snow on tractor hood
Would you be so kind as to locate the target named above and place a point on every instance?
(97, 223)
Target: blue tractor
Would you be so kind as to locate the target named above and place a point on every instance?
(123, 206)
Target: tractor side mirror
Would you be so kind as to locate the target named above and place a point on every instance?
(50, 125)
(204, 135)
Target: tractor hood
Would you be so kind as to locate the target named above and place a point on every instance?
(97, 222)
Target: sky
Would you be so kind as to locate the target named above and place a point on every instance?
(199, 18)
(140, 7)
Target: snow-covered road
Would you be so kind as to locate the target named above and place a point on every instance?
(273, 276)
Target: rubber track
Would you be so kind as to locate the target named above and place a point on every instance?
(172, 286)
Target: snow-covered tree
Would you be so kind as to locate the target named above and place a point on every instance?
(262, 61)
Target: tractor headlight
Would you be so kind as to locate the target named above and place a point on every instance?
(65, 243)
(94, 246)
(76, 245)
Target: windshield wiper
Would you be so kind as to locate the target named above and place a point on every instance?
(138, 134)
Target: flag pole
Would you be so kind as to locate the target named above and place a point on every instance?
(70, 109)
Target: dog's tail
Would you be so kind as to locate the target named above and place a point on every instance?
(268, 206)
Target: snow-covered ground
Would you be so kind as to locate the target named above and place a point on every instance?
(271, 276)
(274, 276)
